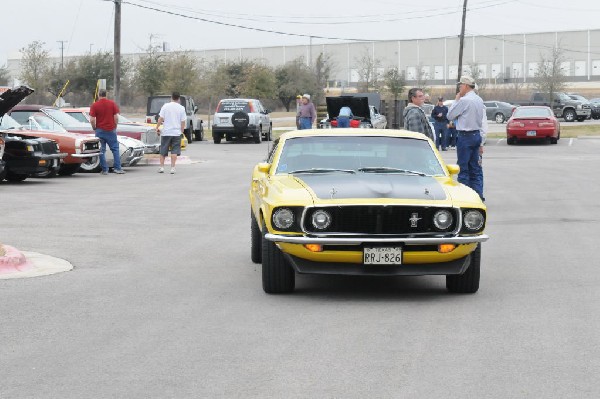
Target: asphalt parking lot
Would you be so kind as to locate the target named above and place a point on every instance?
(164, 302)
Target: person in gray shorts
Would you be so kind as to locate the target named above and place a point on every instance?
(172, 116)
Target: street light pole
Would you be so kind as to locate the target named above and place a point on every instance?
(462, 42)
(62, 52)
(117, 52)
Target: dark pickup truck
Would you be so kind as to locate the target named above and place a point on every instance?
(562, 105)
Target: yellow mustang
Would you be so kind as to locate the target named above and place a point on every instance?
(363, 202)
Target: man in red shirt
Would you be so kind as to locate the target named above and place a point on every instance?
(104, 115)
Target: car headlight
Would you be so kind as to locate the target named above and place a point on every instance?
(443, 219)
(283, 218)
(473, 220)
(579, 106)
(321, 219)
(30, 148)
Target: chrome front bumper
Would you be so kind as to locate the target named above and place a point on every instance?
(360, 240)
(86, 155)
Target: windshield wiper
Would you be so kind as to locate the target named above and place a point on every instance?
(383, 169)
(322, 170)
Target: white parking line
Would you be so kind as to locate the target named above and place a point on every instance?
(570, 142)
(500, 141)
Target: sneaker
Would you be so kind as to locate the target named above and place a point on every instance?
(172, 171)
(119, 171)
(161, 170)
(104, 172)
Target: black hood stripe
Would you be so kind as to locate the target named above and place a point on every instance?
(373, 185)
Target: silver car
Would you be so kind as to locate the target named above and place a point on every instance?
(236, 118)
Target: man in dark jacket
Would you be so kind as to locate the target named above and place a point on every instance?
(440, 115)
(415, 119)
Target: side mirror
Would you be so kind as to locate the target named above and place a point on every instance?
(264, 167)
(453, 169)
(195, 109)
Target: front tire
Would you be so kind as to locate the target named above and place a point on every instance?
(188, 134)
(14, 177)
(499, 118)
(255, 240)
(269, 134)
(468, 282)
(257, 136)
(199, 134)
(68, 169)
(91, 165)
(278, 277)
(511, 141)
(569, 115)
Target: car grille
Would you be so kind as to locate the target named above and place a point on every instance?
(150, 137)
(49, 147)
(382, 220)
(586, 106)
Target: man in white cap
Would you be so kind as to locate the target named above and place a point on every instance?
(468, 111)
(307, 114)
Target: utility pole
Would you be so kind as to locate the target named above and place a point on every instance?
(462, 42)
(62, 52)
(117, 52)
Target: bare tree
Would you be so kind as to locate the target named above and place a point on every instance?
(368, 74)
(4, 75)
(324, 67)
(549, 76)
(34, 65)
(477, 75)
(421, 78)
(395, 83)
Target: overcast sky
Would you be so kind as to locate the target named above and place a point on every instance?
(89, 24)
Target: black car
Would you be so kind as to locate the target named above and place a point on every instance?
(24, 157)
(595, 104)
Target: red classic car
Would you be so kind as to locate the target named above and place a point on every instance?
(532, 122)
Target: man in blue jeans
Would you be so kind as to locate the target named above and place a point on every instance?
(439, 113)
(468, 112)
(104, 115)
(343, 119)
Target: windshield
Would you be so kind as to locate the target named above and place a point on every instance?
(7, 122)
(364, 154)
(156, 104)
(43, 122)
(564, 97)
(532, 112)
(80, 116)
(62, 117)
(122, 119)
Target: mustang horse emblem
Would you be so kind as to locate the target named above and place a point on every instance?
(414, 219)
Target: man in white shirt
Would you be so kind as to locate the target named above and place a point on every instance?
(468, 110)
(172, 117)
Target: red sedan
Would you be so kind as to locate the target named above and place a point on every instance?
(528, 123)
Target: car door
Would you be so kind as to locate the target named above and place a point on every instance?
(261, 115)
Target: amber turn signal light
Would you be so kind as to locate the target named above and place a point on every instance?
(314, 247)
(446, 248)
(42, 162)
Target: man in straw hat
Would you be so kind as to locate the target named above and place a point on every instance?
(307, 114)
(468, 111)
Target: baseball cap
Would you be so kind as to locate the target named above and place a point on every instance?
(467, 80)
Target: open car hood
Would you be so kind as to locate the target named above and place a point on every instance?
(358, 105)
(12, 97)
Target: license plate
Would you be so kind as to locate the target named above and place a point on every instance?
(531, 133)
(223, 120)
(382, 256)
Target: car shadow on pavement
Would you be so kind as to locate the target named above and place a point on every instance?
(371, 287)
